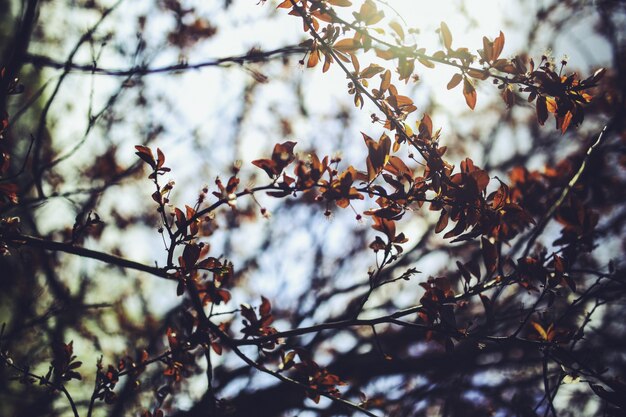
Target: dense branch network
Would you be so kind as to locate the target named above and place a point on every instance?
(494, 224)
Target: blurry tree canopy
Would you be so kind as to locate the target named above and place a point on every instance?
(312, 208)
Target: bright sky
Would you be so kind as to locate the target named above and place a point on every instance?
(204, 102)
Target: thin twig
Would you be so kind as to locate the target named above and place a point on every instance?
(564, 193)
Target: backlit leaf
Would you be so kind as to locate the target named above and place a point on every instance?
(396, 27)
(146, 155)
(442, 222)
(539, 329)
(314, 58)
(347, 45)
(340, 3)
(508, 96)
(371, 70)
(566, 120)
(469, 92)
(480, 75)
(446, 36)
(385, 81)
(426, 63)
(542, 110)
(454, 81)
(498, 45)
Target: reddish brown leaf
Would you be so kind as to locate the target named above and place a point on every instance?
(189, 212)
(347, 45)
(498, 45)
(426, 63)
(146, 155)
(385, 81)
(328, 59)
(268, 166)
(426, 126)
(217, 348)
(371, 70)
(442, 222)
(378, 154)
(314, 58)
(231, 187)
(397, 167)
(180, 219)
(487, 52)
(508, 96)
(190, 255)
(266, 307)
(454, 81)
(565, 121)
(193, 226)
(160, 158)
(479, 75)
(469, 92)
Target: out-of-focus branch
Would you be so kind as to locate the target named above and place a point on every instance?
(557, 204)
(18, 239)
(249, 57)
(17, 52)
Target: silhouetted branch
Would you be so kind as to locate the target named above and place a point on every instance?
(17, 239)
(252, 56)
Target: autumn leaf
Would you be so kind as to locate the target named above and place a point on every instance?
(442, 222)
(498, 45)
(551, 105)
(397, 28)
(160, 158)
(454, 81)
(385, 81)
(542, 110)
(540, 330)
(146, 155)
(340, 3)
(369, 13)
(314, 58)
(446, 36)
(508, 96)
(266, 165)
(371, 70)
(347, 45)
(426, 63)
(478, 74)
(564, 122)
(469, 92)
(378, 154)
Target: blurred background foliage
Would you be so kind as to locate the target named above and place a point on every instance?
(215, 85)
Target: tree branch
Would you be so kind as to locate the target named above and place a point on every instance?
(18, 239)
(250, 56)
